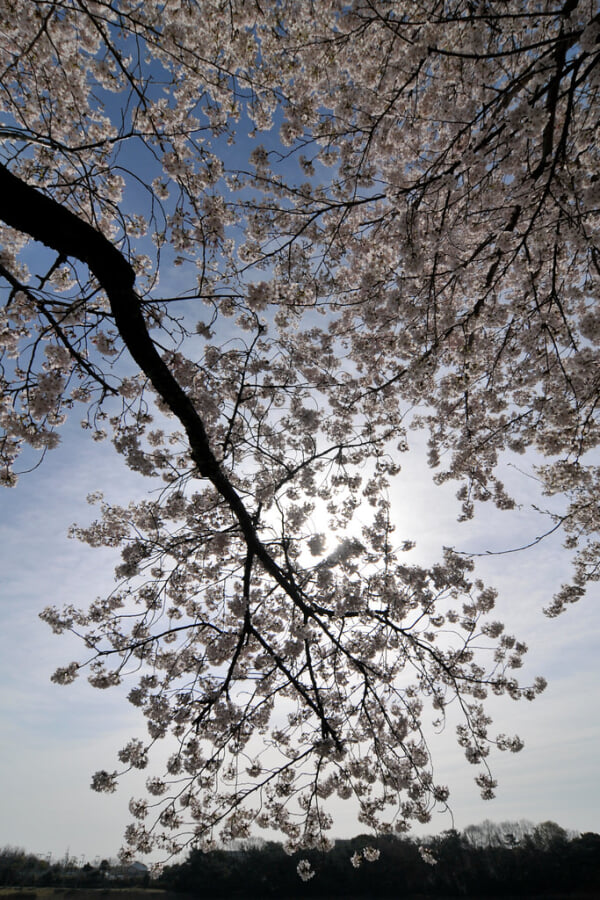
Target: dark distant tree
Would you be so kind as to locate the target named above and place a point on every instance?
(549, 836)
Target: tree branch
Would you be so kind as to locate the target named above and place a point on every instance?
(45, 220)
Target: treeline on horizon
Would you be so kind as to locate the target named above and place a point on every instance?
(486, 860)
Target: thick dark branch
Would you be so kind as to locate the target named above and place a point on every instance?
(45, 220)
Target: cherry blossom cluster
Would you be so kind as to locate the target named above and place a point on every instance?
(259, 249)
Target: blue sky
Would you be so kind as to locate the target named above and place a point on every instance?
(53, 738)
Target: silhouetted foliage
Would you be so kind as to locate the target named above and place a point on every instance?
(506, 859)
(516, 859)
(19, 868)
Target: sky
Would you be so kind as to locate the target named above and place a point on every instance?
(53, 738)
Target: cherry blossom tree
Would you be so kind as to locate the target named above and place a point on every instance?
(367, 217)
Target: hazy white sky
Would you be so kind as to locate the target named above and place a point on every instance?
(53, 738)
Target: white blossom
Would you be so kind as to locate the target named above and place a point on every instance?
(305, 870)
(373, 265)
(427, 856)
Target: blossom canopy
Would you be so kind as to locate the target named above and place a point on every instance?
(259, 244)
